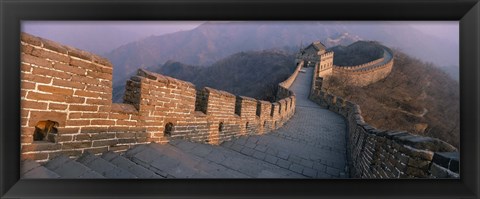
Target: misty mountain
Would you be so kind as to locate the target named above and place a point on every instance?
(213, 41)
(357, 53)
(253, 74)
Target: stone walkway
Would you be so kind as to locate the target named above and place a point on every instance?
(310, 145)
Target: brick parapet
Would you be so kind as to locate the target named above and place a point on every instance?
(74, 88)
(374, 153)
(365, 74)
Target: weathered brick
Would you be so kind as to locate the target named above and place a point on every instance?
(103, 122)
(26, 104)
(126, 135)
(69, 69)
(66, 83)
(118, 116)
(86, 93)
(34, 156)
(55, 90)
(117, 129)
(54, 46)
(45, 97)
(99, 101)
(68, 130)
(82, 63)
(94, 129)
(35, 78)
(27, 49)
(94, 115)
(99, 75)
(86, 80)
(102, 61)
(42, 146)
(102, 136)
(64, 138)
(83, 108)
(128, 123)
(119, 148)
(50, 55)
(105, 142)
(82, 137)
(36, 116)
(78, 122)
(77, 145)
(75, 100)
(127, 140)
(54, 106)
(73, 152)
(25, 67)
(50, 73)
(27, 131)
(26, 58)
(30, 39)
(97, 150)
(26, 139)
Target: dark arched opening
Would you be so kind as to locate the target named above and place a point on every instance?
(168, 129)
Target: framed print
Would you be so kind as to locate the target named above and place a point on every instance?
(244, 99)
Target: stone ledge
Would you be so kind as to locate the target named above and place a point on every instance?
(54, 46)
(449, 160)
(124, 108)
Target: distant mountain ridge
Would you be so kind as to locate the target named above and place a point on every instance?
(253, 73)
(213, 41)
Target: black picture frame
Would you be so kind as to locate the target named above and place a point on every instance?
(12, 12)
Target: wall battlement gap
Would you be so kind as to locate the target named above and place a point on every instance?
(74, 88)
(375, 153)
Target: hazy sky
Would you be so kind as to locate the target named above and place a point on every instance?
(87, 34)
(103, 36)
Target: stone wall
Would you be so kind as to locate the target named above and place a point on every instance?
(74, 88)
(365, 74)
(326, 64)
(375, 153)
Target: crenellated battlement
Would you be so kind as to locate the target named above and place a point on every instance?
(359, 75)
(74, 88)
(361, 66)
(375, 153)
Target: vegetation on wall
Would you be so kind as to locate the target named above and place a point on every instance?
(416, 97)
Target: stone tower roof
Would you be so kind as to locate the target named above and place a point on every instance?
(318, 45)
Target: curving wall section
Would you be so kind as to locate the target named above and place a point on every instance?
(365, 74)
(74, 88)
(375, 153)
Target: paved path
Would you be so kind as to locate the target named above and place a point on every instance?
(310, 145)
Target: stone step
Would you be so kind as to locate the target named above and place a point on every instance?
(128, 165)
(32, 169)
(68, 168)
(220, 162)
(166, 161)
(104, 167)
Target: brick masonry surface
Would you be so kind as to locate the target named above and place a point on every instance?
(293, 136)
(375, 153)
(310, 145)
(74, 88)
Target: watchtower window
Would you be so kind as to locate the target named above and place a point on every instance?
(246, 125)
(168, 130)
(220, 127)
(45, 131)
